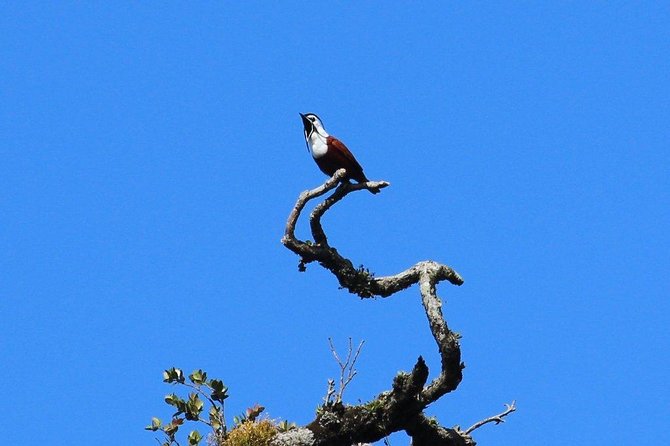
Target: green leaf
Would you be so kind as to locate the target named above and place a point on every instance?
(172, 399)
(171, 429)
(193, 407)
(219, 391)
(195, 400)
(194, 438)
(198, 377)
(155, 424)
(215, 418)
(173, 375)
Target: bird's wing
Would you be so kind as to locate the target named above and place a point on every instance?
(348, 159)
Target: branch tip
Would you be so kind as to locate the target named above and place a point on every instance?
(497, 419)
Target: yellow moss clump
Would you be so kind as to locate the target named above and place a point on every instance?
(251, 433)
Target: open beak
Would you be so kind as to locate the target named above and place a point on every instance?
(308, 125)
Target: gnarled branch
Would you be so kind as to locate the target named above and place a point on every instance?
(357, 280)
(402, 407)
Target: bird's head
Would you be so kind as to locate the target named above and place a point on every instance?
(312, 123)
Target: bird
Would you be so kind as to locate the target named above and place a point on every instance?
(329, 153)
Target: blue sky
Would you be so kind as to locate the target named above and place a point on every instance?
(151, 154)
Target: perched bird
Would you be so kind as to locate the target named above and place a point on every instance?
(329, 152)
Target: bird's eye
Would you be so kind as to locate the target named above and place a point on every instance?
(311, 119)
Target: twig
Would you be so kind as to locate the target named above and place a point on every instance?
(330, 392)
(347, 370)
(497, 419)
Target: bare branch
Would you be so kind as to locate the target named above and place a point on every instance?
(402, 407)
(330, 392)
(447, 341)
(334, 352)
(497, 419)
(347, 367)
(308, 195)
(357, 280)
(342, 191)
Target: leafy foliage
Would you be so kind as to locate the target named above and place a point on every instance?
(204, 390)
(204, 404)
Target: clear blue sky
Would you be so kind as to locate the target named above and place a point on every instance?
(151, 153)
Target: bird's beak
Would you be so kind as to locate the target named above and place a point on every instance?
(305, 122)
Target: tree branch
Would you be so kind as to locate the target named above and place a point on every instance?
(497, 419)
(347, 369)
(402, 407)
(447, 341)
(357, 280)
(426, 432)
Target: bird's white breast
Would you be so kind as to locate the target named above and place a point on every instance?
(317, 145)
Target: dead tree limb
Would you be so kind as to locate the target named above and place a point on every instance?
(357, 280)
(347, 370)
(497, 419)
(400, 408)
